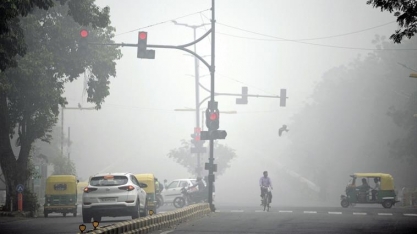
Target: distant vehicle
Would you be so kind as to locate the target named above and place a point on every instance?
(149, 180)
(173, 189)
(112, 195)
(381, 192)
(61, 195)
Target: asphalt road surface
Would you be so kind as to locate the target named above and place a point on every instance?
(229, 219)
(249, 219)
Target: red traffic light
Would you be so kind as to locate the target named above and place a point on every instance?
(143, 35)
(213, 116)
(84, 33)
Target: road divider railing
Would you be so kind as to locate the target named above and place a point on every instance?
(155, 222)
(408, 197)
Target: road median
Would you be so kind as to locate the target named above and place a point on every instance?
(155, 222)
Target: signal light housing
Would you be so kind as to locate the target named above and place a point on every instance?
(143, 53)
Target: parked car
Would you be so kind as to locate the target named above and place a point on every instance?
(173, 189)
(113, 194)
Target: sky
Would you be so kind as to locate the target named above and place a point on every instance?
(265, 45)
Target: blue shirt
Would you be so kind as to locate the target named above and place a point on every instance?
(265, 181)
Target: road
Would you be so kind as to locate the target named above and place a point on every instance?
(250, 219)
(229, 219)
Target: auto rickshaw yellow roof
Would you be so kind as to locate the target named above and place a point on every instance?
(145, 176)
(61, 178)
(372, 175)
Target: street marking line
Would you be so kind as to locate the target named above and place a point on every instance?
(384, 213)
(330, 212)
(236, 211)
(359, 213)
(410, 214)
(285, 211)
(310, 212)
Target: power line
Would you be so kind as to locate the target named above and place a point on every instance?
(309, 43)
(308, 39)
(163, 22)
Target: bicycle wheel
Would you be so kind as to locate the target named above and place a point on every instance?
(265, 200)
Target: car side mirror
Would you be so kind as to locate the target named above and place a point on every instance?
(142, 185)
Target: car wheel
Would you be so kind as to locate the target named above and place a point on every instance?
(74, 214)
(387, 204)
(179, 202)
(135, 212)
(64, 214)
(144, 213)
(86, 217)
(45, 214)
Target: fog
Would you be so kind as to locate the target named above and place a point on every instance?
(137, 125)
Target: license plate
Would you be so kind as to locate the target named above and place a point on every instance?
(108, 199)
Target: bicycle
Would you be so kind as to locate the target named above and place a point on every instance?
(266, 199)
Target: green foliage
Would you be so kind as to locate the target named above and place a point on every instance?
(406, 13)
(63, 166)
(223, 155)
(30, 94)
(12, 41)
(349, 124)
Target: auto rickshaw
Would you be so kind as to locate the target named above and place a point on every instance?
(61, 195)
(379, 191)
(149, 180)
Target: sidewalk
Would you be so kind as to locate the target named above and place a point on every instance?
(15, 214)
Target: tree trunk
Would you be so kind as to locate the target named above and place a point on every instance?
(7, 157)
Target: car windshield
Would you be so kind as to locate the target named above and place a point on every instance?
(108, 180)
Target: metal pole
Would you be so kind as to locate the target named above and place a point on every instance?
(69, 142)
(62, 132)
(197, 97)
(212, 69)
(197, 86)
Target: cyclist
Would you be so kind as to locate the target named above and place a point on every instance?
(264, 183)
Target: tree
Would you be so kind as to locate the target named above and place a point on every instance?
(406, 13)
(183, 156)
(12, 41)
(346, 129)
(30, 94)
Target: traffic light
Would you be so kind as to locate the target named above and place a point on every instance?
(244, 99)
(212, 119)
(83, 41)
(143, 53)
(283, 97)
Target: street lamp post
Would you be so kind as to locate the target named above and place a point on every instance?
(62, 124)
(197, 80)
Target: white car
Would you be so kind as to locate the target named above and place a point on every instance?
(113, 194)
(173, 190)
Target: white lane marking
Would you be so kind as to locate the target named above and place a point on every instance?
(236, 211)
(384, 213)
(410, 214)
(285, 211)
(330, 212)
(359, 213)
(310, 212)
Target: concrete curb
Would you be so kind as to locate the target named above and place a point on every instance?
(14, 214)
(155, 222)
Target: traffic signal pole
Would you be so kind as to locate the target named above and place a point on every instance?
(212, 70)
(150, 54)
